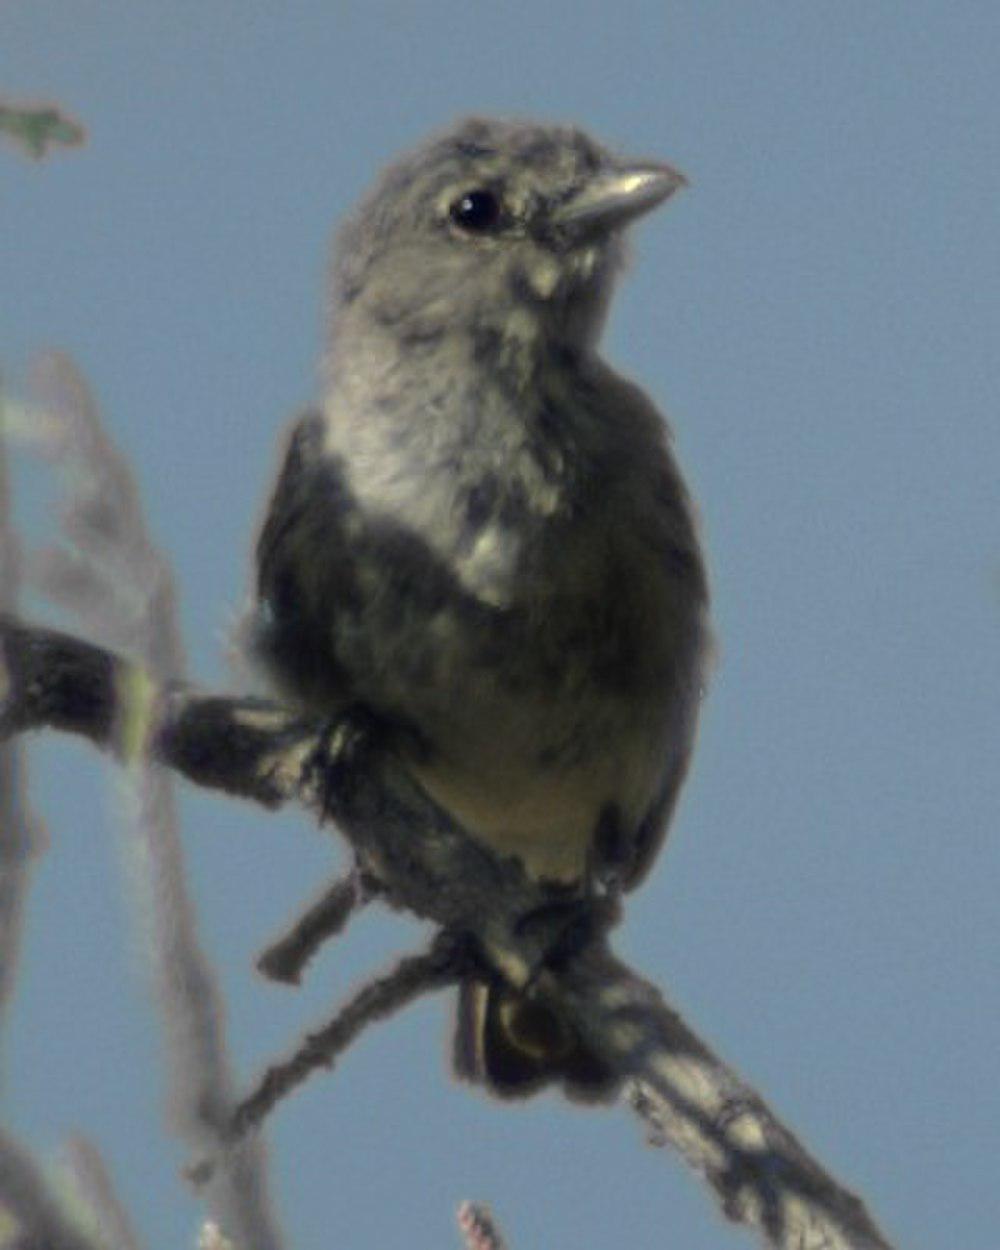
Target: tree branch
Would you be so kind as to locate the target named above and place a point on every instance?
(22, 836)
(409, 980)
(285, 959)
(93, 1183)
(27, 1199)
(760, 1174)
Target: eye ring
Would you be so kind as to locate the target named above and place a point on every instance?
(477, 211)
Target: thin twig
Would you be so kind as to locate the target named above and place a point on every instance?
(285, 959)
(412, 977)
(93, 1181)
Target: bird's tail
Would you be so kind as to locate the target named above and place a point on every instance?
(514, 1046)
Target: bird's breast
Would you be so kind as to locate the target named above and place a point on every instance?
(537, 617)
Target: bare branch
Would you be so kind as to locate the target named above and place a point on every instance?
(109, 568)
(22, 838)
(107, 559)
(92, 1181)
(760, 1174)
(444, 964)
(285, 959)
(26, 1196)
(412, 977)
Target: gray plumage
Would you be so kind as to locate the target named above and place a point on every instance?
(481, 535)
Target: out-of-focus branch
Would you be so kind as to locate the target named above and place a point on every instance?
(760, 1174)
(478, 1228)
(26, 1197)
(21, 838)
(92, 1182)
(108, 570)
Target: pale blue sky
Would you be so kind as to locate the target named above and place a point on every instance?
(819, 315)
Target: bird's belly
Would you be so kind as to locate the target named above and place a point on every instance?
(532, 763)
(545, 814)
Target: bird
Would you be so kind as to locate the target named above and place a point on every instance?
(481, 536)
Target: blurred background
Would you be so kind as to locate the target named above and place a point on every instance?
(818, 315)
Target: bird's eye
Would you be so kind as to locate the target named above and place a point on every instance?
(477, 212)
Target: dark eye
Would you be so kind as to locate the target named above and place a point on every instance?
(477, 211)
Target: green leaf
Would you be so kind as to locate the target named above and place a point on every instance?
(35, 130)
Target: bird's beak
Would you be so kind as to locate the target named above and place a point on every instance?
(615, 197)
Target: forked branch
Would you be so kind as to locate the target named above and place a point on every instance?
(761, 1175)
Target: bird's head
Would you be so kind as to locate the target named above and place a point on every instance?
(505, 228)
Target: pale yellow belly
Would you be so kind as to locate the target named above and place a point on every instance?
(501, 790)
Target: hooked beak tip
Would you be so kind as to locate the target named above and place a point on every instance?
(615, 198)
